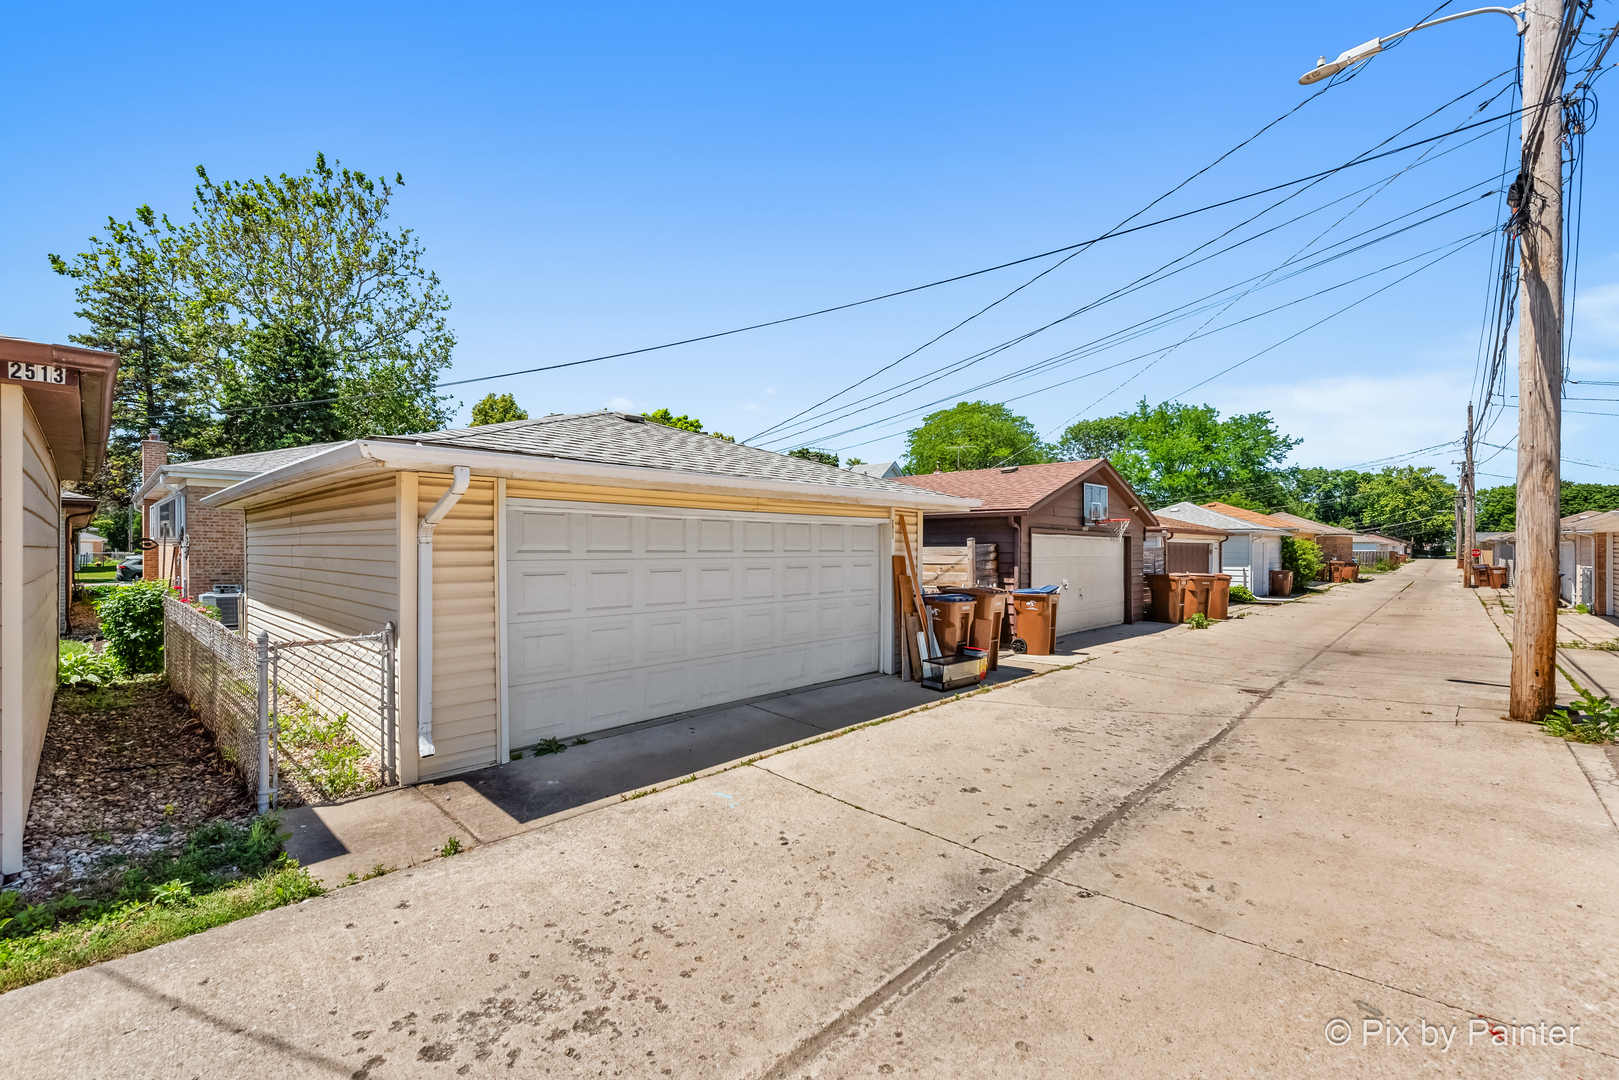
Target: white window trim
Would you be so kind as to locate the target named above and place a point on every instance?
(177, 498)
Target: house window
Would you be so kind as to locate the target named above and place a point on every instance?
(168, 518)
(1095, 503)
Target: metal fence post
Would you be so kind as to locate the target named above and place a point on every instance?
(390, 705)
(264, 720)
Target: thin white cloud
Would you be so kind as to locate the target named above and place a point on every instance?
(620, 404)
(753, 406)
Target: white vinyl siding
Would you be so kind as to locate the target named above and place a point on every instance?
(30, 539)
(324, 564)
(622, 613)
(1091, 569)
(466, 705)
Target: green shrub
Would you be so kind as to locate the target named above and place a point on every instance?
(82, 669)
(132, 622)
(1303, 557)
(1242, 594)
(1199, 621)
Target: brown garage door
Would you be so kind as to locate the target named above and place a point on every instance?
(1188, 558)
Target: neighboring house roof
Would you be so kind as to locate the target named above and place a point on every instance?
(1009, 490)
(1019, 488)
(1177, 527)
(227, 470)
(1592, 521)
(90, 534)
(1306, 525)
(1378, 538)
(601, 446)
(1253, 516)
(883, 470)
(1202, 515)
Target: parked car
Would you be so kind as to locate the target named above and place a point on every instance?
(132, 568)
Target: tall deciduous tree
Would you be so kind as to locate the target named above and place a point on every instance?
(1411, 502)
(281, 392)
(134, 293)
(497, 409)
(973, 435)
(312, 250)
(1172, 452)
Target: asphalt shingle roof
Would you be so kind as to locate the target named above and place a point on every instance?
(1004, 492)
(1242, 514)
(1309, 526)
(1199, 515)
(262, 462)
(612, 438)
(1176, 525)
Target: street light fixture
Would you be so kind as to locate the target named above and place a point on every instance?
(1350, 57)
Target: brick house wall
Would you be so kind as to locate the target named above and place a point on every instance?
(1338, 546)
(215, 539)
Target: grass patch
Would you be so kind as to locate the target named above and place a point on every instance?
(324, 750)
(549, 746)
(96, 575)
(1199, 621)
(223, 872)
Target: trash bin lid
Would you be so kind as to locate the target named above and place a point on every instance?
(1044, 590)
(950, 598)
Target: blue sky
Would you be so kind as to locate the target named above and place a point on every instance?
(593, 178)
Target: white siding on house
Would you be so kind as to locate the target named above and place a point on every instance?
(466, 702)
(30, 536)
(325, 564)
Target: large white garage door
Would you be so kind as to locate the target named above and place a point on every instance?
(619, 614)
(1093, 567)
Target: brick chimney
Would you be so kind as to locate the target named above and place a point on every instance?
(154, 454)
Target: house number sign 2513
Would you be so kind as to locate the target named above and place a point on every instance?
(55, 374)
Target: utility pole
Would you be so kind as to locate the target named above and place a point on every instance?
(1469, 509)
(1539, 220)
(1461, 481)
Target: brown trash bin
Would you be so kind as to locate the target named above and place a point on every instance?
(1219, 595)
(952, 618)
(1168, 597)
(1035, 621)
(1197, 595)
(1281, 583)
(991, 604)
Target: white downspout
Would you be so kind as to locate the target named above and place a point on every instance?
(424, 607)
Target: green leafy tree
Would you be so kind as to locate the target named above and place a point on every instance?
(669, 419)
(313, 250)
(281, 392)
(1303, 557)
(1411, 502)
(134, 292)
(1330, 496)
(1172, 452)
(1497, 509)
(1100, 438)
(809, 453)
(973, 435)
(497, 409)
(852, 462)
(1498, 506)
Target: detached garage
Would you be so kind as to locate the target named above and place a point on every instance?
(1074, 524)
(559, 576)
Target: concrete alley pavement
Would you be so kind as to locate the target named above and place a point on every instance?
(1303, 843)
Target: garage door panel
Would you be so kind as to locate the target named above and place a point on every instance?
(619, 615)
(666, 534)
(608, 533)
(1092, 566)
(539, 531)
(542, 592)
(666, 584)
(609, 587)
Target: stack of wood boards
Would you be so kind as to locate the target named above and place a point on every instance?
(946, 567)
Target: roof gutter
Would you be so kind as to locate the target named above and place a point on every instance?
(424, 607)
(514, 466)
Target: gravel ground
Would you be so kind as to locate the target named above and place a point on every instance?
(124, 772)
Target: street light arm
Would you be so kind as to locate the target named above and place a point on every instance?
(1350, 57)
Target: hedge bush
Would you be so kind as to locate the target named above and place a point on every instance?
(132, 622)
(1304, 558)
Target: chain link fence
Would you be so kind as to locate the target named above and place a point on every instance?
(318, 714)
